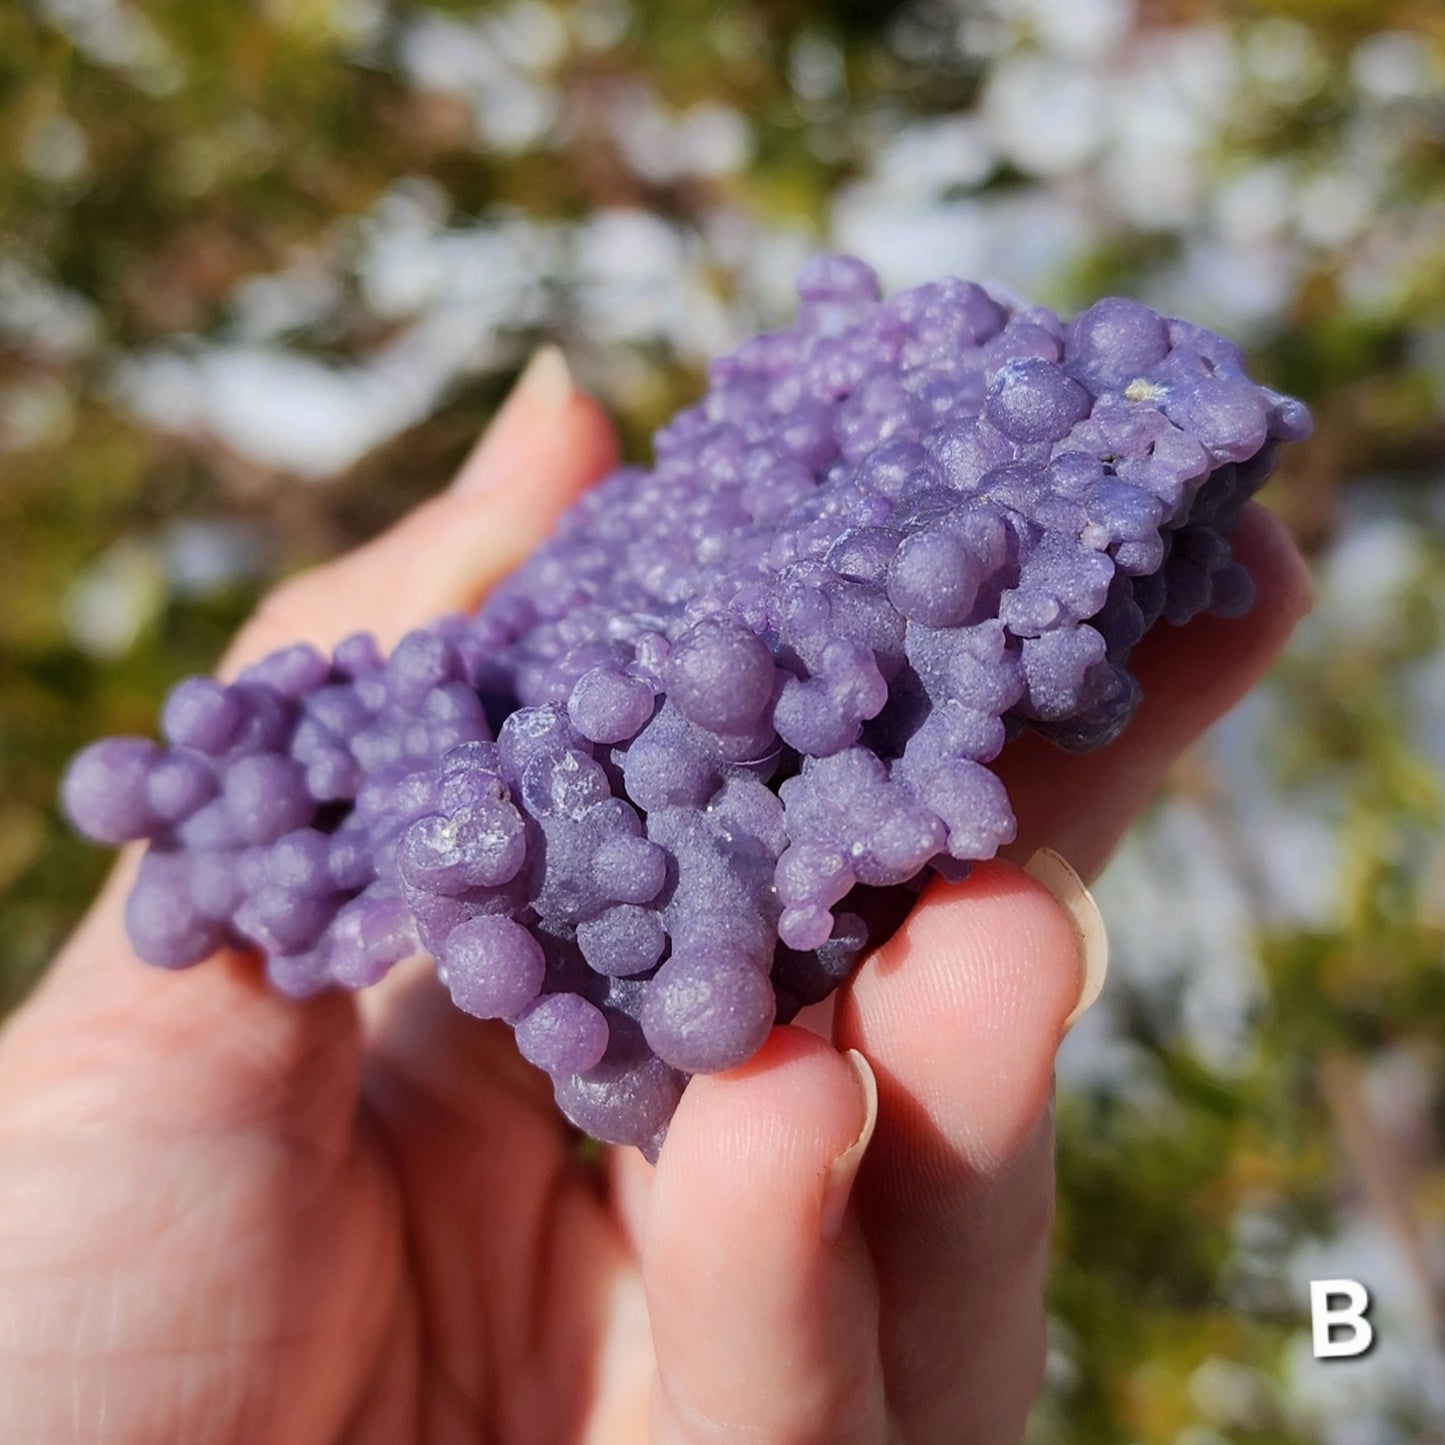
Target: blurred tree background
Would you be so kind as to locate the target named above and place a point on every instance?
(266, 269)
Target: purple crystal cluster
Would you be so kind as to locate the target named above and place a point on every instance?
(633, 806)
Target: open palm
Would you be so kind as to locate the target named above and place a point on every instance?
(229, 1217)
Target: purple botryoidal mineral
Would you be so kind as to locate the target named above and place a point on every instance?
(631, 804)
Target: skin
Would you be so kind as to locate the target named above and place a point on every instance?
(227, 1217)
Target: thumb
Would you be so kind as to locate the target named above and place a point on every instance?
(215, 1031)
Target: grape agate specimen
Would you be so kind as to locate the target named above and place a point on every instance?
(632, 805)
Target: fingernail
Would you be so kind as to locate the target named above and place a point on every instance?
(545, 384)
(838, 1184)
(1058, 876)
(541, 395)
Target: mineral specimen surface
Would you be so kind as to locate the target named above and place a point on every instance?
(631, 804)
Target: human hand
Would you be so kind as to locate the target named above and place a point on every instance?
(228, 1218)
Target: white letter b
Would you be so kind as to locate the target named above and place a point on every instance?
(1358, 1334)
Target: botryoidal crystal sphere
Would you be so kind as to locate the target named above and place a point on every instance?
(636, 804)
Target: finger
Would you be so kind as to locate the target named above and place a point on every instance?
(763, 1328)
(1081, 805)
(548, 443)
(628, 1181)
(960, 1014)
(496, 1196)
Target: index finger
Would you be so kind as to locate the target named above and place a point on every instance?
(548, 442)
